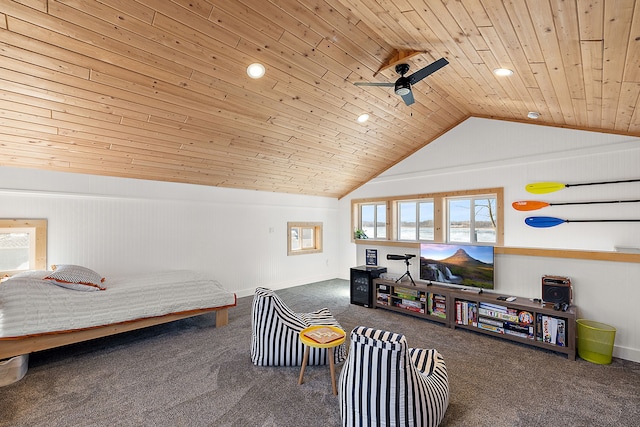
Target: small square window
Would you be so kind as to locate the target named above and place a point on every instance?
(304, 237)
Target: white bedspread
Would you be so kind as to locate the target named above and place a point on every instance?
(29, 305)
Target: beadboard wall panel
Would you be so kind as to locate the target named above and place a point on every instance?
(120, 226)
(483, 153)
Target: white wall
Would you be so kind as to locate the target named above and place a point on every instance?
(482, 153)
(115, 225)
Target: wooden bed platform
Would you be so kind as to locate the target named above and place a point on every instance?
(10, 347)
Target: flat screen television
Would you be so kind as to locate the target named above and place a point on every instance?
(457, 265)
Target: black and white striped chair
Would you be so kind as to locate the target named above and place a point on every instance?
(386, 383)
(275, 331)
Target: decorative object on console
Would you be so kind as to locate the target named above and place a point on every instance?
(556, 290)
(371, 256)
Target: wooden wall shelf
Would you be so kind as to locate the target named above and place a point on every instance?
(537, 252)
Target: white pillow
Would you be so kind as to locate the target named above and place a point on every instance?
(75, 277)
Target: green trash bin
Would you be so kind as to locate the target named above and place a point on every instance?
(595, 341)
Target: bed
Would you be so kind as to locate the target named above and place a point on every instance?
(46, 309)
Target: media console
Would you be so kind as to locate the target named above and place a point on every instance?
(520, 320)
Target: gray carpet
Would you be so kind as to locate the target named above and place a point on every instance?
(191, 374)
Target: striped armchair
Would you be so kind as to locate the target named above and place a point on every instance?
(275, 331)
(386, 383)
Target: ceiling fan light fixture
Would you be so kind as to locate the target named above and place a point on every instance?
(502, 72)
(363, 118)
(403, 87)
(255, 70)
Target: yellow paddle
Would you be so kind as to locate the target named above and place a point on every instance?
(550, 187)
(534, 205)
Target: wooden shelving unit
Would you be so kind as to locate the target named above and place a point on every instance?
(520, 320)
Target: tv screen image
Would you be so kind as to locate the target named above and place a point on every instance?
(460, 265)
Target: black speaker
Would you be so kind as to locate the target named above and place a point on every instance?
(556, 290)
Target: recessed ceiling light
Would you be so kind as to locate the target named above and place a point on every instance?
(363, 118)
(533, 114)
(502, 72)
(255, 71)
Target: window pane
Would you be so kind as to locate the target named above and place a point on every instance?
(381, 222)
(367, 220)
(460, 220)
(425, 226)
(14, 251)
(485, 220)
(295, 239)
(407, 216)
(307, 238)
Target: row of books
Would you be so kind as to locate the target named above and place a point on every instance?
(437, 305)
(498, 311)
(551, 330)
(466, 313)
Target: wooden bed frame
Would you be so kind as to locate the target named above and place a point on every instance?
(10, 347)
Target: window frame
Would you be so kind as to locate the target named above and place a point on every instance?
(316, 228)
(37, 255)
(440, 202)
(473, 235)
(376, 205)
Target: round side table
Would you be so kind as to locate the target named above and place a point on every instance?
(330, 346)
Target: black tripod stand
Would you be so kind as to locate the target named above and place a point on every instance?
(407, 273)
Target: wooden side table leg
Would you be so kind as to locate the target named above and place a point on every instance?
(330, 354)
(305, 359)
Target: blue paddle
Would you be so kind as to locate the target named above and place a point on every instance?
(549, 221)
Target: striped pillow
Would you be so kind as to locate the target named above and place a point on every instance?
(75, 277)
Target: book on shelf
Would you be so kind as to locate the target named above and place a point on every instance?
(561, 337)
(466, 313)
(411, 303)
(406, 291)
(512, 317)
(551, 330)
(491, 328)
(493, 307)
(410, 308)
(323, 335)
(492, 322)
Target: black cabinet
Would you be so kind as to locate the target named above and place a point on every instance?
(362, 284)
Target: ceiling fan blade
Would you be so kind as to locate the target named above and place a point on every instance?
(429, 69)
(374, 84)
(408, 98)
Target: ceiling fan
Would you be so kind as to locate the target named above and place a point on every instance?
(402, 86)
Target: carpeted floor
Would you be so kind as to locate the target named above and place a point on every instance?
(191, 374)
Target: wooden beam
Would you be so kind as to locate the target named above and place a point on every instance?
(399, 56)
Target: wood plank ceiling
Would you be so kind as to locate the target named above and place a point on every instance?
(157, 89)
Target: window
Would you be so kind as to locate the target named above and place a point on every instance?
(416, 220)
(468, 216)
(23, 245)
(373, 220)
(472, 219)
(304, 238)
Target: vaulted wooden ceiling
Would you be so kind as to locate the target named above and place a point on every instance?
(157, 89)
